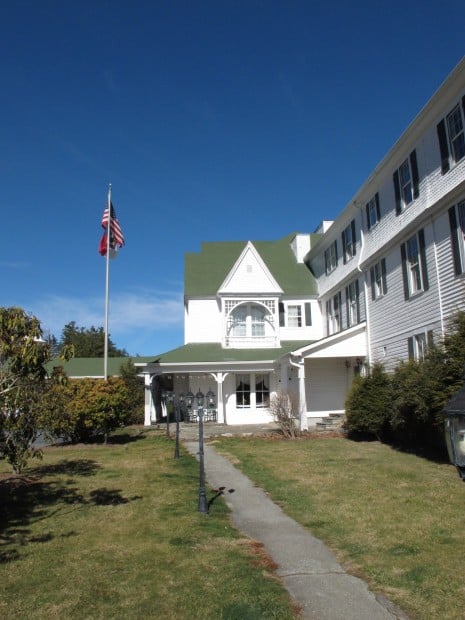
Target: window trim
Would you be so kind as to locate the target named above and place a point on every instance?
(444, 139)
(457, 228)
(331, 257)
(378, 280)
(373, 207)
(349, 242)
(407, 270)
(250, 381)
(399, 190)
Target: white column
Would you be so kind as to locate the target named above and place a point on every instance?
(148, 406)
(302, 397)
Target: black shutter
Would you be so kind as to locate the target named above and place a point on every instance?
(424, 271)
(367, 210)
(415, 177)
(372, 279)
(344, 246)
(378, 209)
(347, 307)
(383, 275)
(308, 314)
(443, 147)
(411, 354)
(455, 241)
(354, 238)
(281, 314)
(430, 338)
(335, 248)
(463, 105)
(357, 297)
(403, 254)
(395, 178)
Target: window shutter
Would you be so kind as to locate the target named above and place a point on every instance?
(372, 278)
(455, 241)
(347, 306)
(378, 210)
(430, 338)
(367, 211)
(383, 275)
(344, 245)
(424, 271)
(308, 314)
(411, 354)
(357, 297)
(335, 251)
(415, 177)
(403, 254)
(395, 178)
(443, 147)
(281, 314)
(463, 105)
(354, 237)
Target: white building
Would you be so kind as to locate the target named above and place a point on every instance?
(303, 314)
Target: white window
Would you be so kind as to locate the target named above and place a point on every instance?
(252, 390)
(457, 226)
(406, 182)
(378, 279)
(294, 316)
(373, 211)
(353, 304)
(247, 321)
(333, 314)
(348, 241)
(419, 344)
(414, 265)
(331, 258)
(456, 133)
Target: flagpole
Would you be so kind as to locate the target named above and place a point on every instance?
(107, 287)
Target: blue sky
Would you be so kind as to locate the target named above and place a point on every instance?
(213, 120)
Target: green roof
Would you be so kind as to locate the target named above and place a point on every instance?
(93, 366)
(206, 271)
(211, 352)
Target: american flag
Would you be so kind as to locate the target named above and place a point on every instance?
(116, 234)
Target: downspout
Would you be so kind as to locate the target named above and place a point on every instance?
(365, 287)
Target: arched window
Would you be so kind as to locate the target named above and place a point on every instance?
(249, 322)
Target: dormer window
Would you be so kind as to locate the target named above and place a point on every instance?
(249, 323)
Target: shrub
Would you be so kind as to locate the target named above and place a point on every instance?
(284, 411)
(368, 404)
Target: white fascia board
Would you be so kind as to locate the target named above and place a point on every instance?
(348, 343)
(274, 286)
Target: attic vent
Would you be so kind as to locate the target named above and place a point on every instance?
(249, 269)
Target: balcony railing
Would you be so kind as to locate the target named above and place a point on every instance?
(251, 342)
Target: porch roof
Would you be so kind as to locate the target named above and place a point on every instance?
(213, 352)
(92, 367)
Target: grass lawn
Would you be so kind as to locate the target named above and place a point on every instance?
(113, 532)
(394, 519)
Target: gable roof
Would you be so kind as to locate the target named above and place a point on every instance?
(205, 271)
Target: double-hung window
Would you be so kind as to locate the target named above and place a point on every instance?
(334, 314)
(457, 228)
(352, 303)
(419, 344)
(331, 258)
(252, 390)
(373, 211)
(406, 182)
(414, 270)
(451, 136)
(294, 316)
(348, 241)
(378, 279)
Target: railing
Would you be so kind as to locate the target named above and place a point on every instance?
(192, 415)
(258, 342)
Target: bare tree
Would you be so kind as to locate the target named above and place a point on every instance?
(284, 409)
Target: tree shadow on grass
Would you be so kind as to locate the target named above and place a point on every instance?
(24, 501)
(76, 467)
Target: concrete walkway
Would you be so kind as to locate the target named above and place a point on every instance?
(309, 571)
